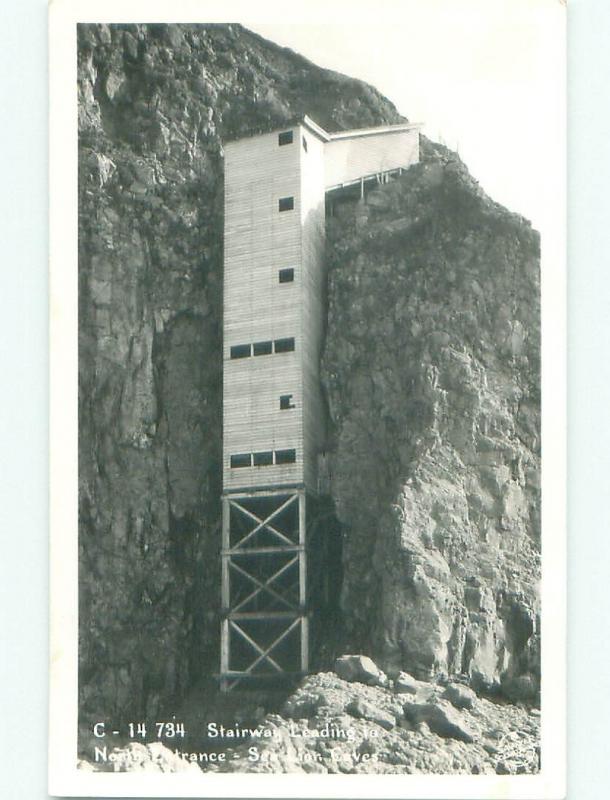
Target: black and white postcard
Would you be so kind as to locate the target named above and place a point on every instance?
(307, 399)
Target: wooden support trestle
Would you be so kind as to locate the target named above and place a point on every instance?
(264, 594)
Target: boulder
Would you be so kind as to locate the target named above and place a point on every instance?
(405, 684)
(360, 668)
(363, 710)
(460, 696)
(442, 719)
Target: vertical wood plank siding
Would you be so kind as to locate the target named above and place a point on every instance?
(312, 294)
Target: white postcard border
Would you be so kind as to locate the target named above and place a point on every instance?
(64, 778)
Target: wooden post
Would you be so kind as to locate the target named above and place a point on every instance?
(302, 564)
(303, 583)
(304, 643)
(225, 594)
(224, 654)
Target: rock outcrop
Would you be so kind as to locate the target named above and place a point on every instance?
(430, 370)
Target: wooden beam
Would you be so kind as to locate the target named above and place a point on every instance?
(225, 592)
(304, 644)
(224, 652)
(236, 673)
(264, 654)
(226, 523)
(274, 644)
(303, 581)
(261, 491)
(270, 615)
(263, 586)
(263, 523)
(258, 551)
(226, 543)
(302, 555)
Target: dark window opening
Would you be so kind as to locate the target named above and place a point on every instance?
(286, 275)
(304, 144)
(241, 460)
(262, 348)
(240, 351)
(286, 402)
(286, 203)
(284, 138)
(263, 459)
(285, 456)
(284, 345)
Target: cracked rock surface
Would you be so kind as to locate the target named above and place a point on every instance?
(431, 370)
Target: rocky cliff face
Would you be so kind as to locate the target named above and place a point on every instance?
(430, 370)
(155, 103)
(432, 373)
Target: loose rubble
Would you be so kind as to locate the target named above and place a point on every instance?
(333, 725)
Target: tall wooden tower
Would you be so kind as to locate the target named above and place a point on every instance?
(273, 420)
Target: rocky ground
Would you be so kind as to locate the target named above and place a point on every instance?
(356, 719)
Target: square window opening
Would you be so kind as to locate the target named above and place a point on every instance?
(284, 138)
(240, 351)
(286, 402)
(263, 459)
(286, 203)
(241, 460)
(284, 345)
(262, 348)
(286, 275)
(285, 456)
